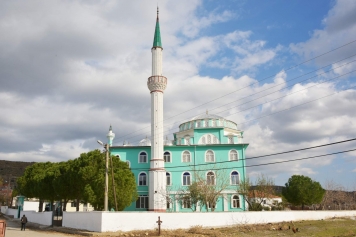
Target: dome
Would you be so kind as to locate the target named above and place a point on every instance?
(207, 116)
(145, 142)
(207, 121)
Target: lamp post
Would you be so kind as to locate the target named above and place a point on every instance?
(106, 147)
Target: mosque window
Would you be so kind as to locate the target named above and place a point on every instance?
(214, 123)
(128, 164)
(187, 140)
(142, 202)
(203, 140)
(209, 139)
(206, 123)
(143, 157)
(186, 156)
(235, 201)
(168, 179)
(186, 178)
(234, 155)
(234, 178)
(186, 203)
(167, 157)
(215, 140)
(142, 179)
(209, 156)
(198, 124)
(210, 178)
(231, 140)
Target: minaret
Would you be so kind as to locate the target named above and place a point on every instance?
(157, 84)
(110, 136)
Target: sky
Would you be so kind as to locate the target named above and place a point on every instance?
(282, 70)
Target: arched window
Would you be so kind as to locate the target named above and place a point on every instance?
(209, 139)
(167, 156)
(215, 140)
(235, 201)
(143, 157)
(187, 140)
(206, 123)
(198, 124)
(210, 178)
(234, 178)
(209, 156)
(234, 155)
(231, 140)
(186, 178)
(168, 179)
(142, 179)
(203, 140)
(186, 156)
(128, 164)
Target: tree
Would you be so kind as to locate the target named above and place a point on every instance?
(302, 190)
(256, 193)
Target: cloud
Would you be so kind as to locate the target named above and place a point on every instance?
(338, 33)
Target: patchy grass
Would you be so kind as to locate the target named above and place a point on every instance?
(323, 228)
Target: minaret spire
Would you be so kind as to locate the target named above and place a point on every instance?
(157, 38)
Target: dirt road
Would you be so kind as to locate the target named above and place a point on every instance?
(13, 229)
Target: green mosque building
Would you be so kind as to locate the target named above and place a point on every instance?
(207, 150)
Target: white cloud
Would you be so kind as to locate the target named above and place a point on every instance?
(340, 29)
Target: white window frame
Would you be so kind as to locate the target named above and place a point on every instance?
(128, 163)
(142, 200)
(206, 156)
(190, 178)
(138, 179)
(170, 157)
(187, 140)
(186, 204)
(139, 157)
(170, 179)
(233, 201)
(190, 157)
(208, 180)
(237, 155)
(238, 177)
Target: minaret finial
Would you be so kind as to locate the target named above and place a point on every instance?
(157, 13)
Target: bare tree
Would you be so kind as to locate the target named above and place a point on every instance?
(210, 185)
(256, 193)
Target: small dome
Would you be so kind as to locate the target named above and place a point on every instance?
(207, 116)
(145, 142)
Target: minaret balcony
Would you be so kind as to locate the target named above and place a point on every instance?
(157, 83)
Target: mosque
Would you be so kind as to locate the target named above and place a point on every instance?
(207, 148)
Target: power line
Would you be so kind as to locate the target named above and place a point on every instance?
(278, 99)
(297, 65)
(257, 157)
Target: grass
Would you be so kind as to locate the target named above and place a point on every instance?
(323, 228)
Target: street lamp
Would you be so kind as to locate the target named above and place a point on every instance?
(106, 147)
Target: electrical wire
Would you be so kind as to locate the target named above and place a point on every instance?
(294, 66)
(255, 157)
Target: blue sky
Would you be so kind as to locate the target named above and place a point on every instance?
(69, 69)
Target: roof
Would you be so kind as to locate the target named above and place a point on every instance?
(207, 116)
(157, 37)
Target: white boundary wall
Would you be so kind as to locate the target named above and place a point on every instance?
(42, 218)
(127, 221)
